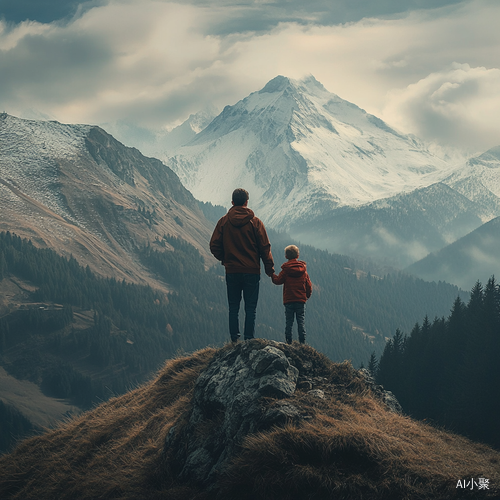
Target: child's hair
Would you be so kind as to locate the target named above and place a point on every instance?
(291, 252)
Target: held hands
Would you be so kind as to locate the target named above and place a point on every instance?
(274, 278)
(270, 272)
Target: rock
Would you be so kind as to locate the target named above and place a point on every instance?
(386, 396)
(281, 414)
(391, 402)
(317, 393)
(304, 384)
(227, 399)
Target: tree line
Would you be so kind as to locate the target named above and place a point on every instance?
(135, 328)
(447, 370)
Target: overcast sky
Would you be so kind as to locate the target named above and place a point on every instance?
(428, 67)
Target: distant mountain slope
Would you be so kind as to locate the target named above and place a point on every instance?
(183, 133)
(301, 150)
(398, 230)
(77, 190)
(474, 257)
(479, 180)
(322, 431)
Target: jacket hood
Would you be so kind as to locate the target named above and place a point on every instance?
(294, 268)
(239, 216)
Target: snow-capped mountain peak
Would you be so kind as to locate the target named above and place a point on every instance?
(479, 180)
(300, 150)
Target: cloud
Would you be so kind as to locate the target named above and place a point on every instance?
(43, 11)
(120, 60)
(480, 257)
(412, 250)
(249, 15)
(458, 106)
(264, 15)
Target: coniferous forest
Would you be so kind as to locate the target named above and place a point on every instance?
(84, 338)
(447, 371)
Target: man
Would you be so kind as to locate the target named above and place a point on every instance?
(239, 241)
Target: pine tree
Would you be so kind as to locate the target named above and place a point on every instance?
(390, 367)
(3, 266)
(373, 364)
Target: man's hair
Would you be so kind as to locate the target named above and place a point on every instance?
(291, 252)
(240, 195)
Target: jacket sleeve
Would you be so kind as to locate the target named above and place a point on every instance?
(216, 244)
(278, 279)
(308, 286)
(264, 246)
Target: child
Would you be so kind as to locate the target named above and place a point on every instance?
(297, 288)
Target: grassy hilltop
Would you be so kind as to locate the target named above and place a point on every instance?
(345, 444)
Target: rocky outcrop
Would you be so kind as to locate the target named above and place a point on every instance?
(227, 397)
(246, 388)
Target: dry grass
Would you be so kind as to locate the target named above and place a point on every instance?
(348, 446)
(113, 451)
(363, 452)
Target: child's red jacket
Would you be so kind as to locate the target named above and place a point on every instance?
(297, 286)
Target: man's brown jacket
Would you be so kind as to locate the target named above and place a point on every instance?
(240, 240)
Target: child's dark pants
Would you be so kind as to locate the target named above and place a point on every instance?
(298, 310)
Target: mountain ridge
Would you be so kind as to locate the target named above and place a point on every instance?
(78, 190)
(474, 257)
(479, 180)
(397, 230)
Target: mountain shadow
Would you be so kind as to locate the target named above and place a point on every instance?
(471, 258)
(259, 419)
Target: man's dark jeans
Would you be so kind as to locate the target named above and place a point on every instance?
(249, 285)
(298, 310)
